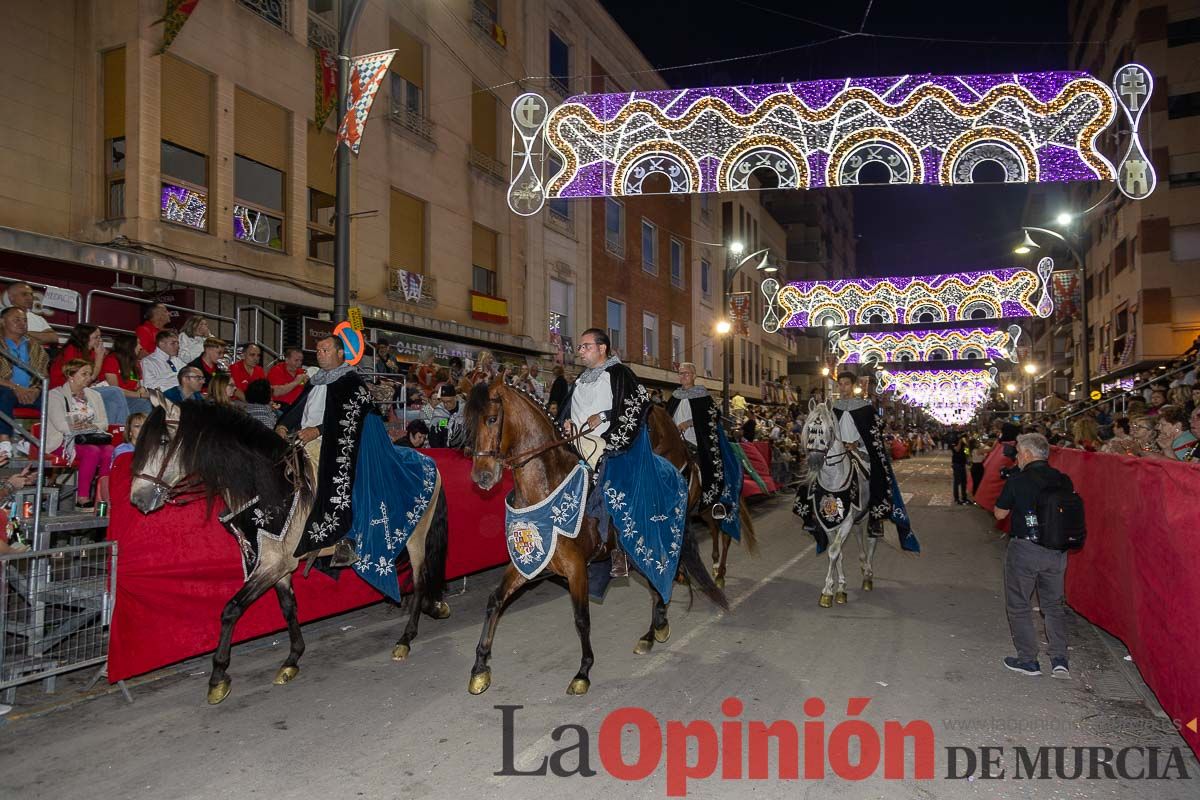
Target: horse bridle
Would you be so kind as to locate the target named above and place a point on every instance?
(187, 489)
(521, 459)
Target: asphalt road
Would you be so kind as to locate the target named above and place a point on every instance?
(925, 645)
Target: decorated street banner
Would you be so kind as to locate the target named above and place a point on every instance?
(326, 85)
(1065, 287)
(411, 284)
(366, 73)
(175, 15)
(739, 313)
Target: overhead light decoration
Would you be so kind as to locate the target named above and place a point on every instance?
(947, 394)
(961, 296)
(927, 345)
(1038, 127)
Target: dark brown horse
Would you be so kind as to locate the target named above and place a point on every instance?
(510, 429)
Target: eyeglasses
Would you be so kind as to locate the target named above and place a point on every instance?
(195, 377)
(586, 345)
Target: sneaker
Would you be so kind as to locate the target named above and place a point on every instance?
(1024, 667)
(1060, 669)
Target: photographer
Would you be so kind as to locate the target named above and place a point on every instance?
(1029, 565)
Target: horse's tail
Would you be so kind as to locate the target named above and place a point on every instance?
(433, 568)
(749, 537)
(697, 574)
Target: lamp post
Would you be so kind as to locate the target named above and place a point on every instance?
(732, 252)
(351, 10)
(1027, 245)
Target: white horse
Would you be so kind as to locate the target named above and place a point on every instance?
(836, 493)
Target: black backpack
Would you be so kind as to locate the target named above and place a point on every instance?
(1061, 522)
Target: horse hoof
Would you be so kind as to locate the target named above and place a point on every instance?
(439, 610)
(579, 686)
(643, 646)
(286, 675)
(219, 692)
(662, 634)
(720, 582)
(400, 652)
(480, 682)
(840, 598)
(868, 584)
(826, 601)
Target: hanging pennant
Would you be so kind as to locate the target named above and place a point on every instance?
(366, 73)
(175, 15)
(326, 85)
(739, 313)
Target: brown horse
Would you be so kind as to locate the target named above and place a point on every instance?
(510, 428)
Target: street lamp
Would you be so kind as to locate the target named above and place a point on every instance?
(1010, 388)
(732, 264)
(1028, 244)
(1030, 369)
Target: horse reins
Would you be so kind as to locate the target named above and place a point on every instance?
(521, 459)
(187, 489)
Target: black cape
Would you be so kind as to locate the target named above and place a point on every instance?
(870, 430)
(631, 401)
(347, 404)
(705, 419)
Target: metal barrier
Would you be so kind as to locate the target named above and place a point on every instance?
(256, 315)
(55, 609)
(141, 301)
(61, 327)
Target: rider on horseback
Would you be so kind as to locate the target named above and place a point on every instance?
(698, 420)
(862, 429)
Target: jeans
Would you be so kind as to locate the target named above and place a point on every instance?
(116, 407)
(136, 405)
(8, 404)
(960, 483)
(1026, 567)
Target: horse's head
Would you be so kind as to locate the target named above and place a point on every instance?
(484, 414)
(156, 468)
(820, 433)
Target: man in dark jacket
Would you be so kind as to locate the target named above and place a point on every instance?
(1028, 565)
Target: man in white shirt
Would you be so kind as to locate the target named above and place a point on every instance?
(160, 369)
(536, 387)
(20, 295)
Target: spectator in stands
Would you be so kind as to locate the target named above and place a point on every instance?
(1086, 433)
(1122, 442)
(121, 369)
(385, 358)
(426, 372)
(1193, 399)
(20, 295)
(191, 384)
(537, 387)
(76, 427)
(154, 320)
(749, 426)
(1175, 440)
(160, 369)
(445, 420)
(258, 403)
(247, 369)
(416, 434)
(485, 370)
(1193, 455)
(287, 377)
(192, 338)
(207, 361)
(84, 342)
(133, 428)
(222, 391)
(559, 390)
(1158, 399)
(18, 388)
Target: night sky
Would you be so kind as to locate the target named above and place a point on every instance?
(908, 230)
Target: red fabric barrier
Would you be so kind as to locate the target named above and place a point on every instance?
(759, 456)
(1136, 577)
(988, 491)
(176, 569)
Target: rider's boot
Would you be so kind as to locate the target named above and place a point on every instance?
(620, 564)
(343, 554)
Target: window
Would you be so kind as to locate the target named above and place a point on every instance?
(1183, 105)
(649, 247)
(559, 207)
(1184, 169)
(705, 279)
(406, 248)
(560, 65)
(677, 263)
(185, 94)
(322, 191)
(259, 181)
(1185, 31)
(273, 11)
(1185, 243)
(483, 123)
(483, 15)
(649, 337)
(113, 67)
(483, 260)
(616, 324)
(562, 300)
(407, 72)
(708, 360)
(614, 226)
(678, 344)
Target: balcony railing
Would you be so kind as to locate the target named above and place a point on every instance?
(412, 121)
(322, 34)
(273, 11)
(484, 20)
(487, 164)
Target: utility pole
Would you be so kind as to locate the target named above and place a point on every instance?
(350, 10)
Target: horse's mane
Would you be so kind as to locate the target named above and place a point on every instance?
(228, 451)
(477, 403)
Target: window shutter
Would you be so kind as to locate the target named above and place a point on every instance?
(260, 131)
(114, 93)
(407, 235)
(186, 94)
(483, 120)
(409, 62)
(483, 247)
(321, 175)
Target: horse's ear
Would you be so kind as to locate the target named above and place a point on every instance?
(156, 398)
(812, 404)
(173, 410)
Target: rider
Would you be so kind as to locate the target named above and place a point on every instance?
(608, 405)
(697, 417)
(861, 428)
(334, 395)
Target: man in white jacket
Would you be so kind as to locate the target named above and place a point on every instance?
(160, 369)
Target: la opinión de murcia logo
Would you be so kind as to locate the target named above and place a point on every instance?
(852, 749)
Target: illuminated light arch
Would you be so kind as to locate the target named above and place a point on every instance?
(990, 309)
(918, 345)
(989, 143)
(970, 352)
(864, 316)
(657, 157)
(936, 311)
(766, 151)
(878, 146)
(831, 311)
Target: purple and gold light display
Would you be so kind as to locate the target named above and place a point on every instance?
(927, 345)
(936, 130)
(948, 395)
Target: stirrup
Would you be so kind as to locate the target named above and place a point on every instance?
(718, 511)
(343, 554)
(620, 564)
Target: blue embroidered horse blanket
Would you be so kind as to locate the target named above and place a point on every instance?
(731, 493)
(393, 487)
(646, 499)
(531, 532)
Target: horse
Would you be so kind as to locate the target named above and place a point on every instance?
(837, 490)
(192, 450)
(512, 429)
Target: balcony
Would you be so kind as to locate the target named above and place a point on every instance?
(413, 122)
(483, 20)
(400, 293)
(488, 165)
(273, 11)
(322, 34)
(560, 222)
